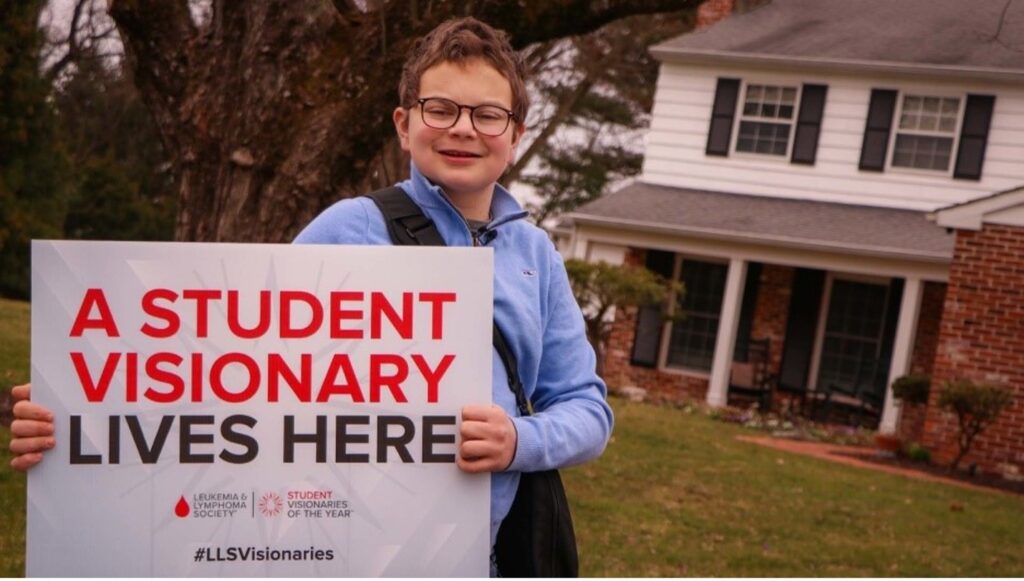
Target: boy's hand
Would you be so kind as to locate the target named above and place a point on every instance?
(488, 439)
(31, 430)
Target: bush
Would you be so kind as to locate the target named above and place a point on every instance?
(976, 406)
(913, 388)
(918, 453)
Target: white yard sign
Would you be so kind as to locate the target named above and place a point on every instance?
(258, 410)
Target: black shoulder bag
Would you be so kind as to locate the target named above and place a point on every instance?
(536, 539)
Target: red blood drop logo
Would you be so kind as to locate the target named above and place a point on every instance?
(181, 509)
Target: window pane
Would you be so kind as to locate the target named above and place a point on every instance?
(922, 152)
(767, 138)
(931, 114)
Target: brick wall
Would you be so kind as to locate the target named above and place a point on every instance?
(771, 310)
(926, 341)
(981, 338)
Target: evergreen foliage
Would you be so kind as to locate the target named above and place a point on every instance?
(122, 189)
(913, 388)
(595, 93)
(34, 169)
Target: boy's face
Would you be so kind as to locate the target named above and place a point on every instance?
(464, 162)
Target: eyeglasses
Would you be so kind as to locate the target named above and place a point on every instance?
(489, 120)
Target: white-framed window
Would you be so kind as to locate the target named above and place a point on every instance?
(689, 341)
(926, 132)
(767, 116)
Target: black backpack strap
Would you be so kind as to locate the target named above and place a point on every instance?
(508, 358)
(406, 223)
(409, 226)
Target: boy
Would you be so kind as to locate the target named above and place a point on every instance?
(462, 107)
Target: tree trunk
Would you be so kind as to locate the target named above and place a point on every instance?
(274, 109)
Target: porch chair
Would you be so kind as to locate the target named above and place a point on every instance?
(752, 380)
(860, 402)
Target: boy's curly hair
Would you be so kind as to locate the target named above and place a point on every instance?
(459, 40)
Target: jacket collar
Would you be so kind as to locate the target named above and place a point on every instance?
(430, 197)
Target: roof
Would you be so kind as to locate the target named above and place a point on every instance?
(844, 228)
(1006, 207)
(940, 35)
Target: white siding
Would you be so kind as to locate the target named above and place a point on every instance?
(674, 150)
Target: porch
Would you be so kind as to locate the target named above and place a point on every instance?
(807, 306)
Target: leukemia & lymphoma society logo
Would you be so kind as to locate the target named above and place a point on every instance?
(271, 504)
(213, 505)
(306, 503)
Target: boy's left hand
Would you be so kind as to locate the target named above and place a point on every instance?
(488, 439)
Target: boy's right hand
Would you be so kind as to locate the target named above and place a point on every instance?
(31, 430)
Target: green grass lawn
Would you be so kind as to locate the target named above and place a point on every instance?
(677, 495)
(14, 325)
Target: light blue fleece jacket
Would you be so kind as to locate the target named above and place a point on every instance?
(533, 306)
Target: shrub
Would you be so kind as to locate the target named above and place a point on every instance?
(976, 406)
(913, 388)
(599, 286)
(918, 453)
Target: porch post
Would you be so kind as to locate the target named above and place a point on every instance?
(578, 245)
(728, 323)
(903, 347)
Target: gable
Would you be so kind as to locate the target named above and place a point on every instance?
(1004, 208)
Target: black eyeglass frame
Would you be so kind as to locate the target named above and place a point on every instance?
(472, 109)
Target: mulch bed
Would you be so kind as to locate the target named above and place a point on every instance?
(986, 480)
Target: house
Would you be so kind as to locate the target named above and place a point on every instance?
(838, 183)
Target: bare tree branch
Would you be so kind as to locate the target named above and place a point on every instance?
(565, 107)
(85, 33)
(284, 106)
(541, 20)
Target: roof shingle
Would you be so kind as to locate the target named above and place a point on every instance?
(823, 225)
(982, 34)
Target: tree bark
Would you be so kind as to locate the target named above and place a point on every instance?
(276, 108)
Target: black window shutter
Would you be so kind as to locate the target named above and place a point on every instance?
(974, 137)
(750, 288)
(722, 115)
(808, 124)
(892, 315)
(804, 304)
(876, 133)
(649, 318)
